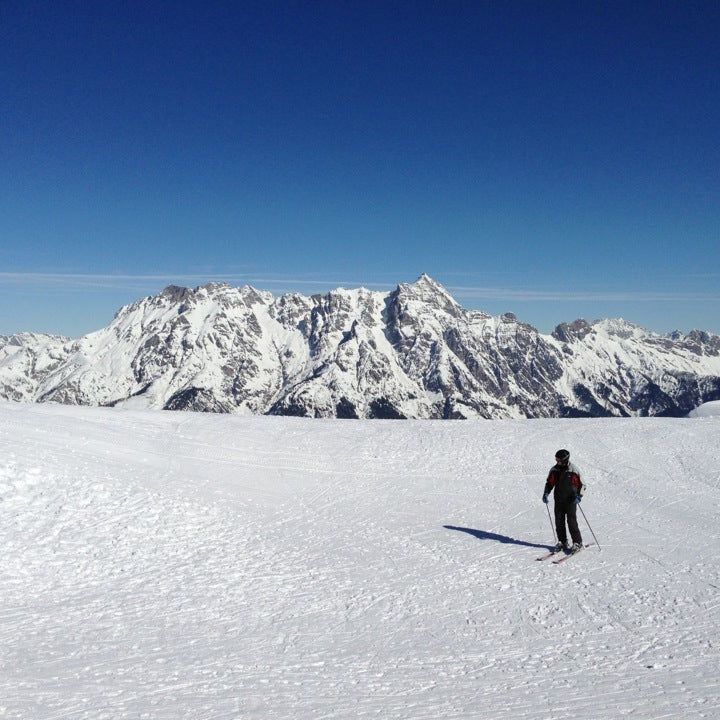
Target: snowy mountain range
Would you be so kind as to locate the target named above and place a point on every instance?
(410, 353)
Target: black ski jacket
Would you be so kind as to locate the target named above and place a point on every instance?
(566, 481)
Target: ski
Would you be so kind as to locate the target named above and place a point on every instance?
(569, 555)
(549, 555)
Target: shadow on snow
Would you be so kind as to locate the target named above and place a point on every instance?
(484, 535)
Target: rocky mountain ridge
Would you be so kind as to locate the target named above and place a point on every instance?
(410, 353)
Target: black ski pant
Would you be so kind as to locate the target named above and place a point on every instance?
(567, 509)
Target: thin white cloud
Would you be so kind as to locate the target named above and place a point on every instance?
(522, 294)
(140, 282)
(102, 278)
(153, 281)
(701, 275)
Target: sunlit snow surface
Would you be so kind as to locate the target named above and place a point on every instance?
(178, 565)
(708, 409)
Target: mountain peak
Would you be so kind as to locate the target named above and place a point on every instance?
(426, 280)
(619, 327)
(569, 332)
(426, 288)
(175, 293)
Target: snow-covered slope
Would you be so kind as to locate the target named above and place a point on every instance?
(411, 353)
(709, 409)
(179, 565)
(24, 359)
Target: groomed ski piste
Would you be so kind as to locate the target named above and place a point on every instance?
(180, 565)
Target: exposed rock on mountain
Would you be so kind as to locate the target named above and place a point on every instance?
(410, 353)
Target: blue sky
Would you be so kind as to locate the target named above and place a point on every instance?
(556, 160)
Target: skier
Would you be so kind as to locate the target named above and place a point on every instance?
(564, 479)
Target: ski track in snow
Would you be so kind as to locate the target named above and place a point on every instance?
(172, 565)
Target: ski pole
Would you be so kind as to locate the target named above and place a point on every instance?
(588, 524)
(551, 523)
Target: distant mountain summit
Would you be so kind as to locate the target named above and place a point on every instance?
(410, 353)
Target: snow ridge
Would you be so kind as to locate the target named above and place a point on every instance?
(355, 353)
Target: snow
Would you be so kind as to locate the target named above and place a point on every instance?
(708, 409)
(182, 565)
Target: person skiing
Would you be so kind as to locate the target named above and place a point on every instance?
(565, 481)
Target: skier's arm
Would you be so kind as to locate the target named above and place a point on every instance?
(549, 483)
(577, 482)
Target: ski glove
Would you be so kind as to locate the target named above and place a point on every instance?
(578, 498)
(545, 500)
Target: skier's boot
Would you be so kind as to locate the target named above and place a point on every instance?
(576, 547)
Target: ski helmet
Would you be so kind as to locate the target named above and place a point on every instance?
(562, 455)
